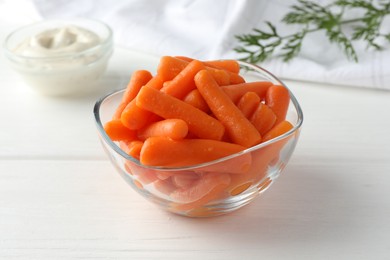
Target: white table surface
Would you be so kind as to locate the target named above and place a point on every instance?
(60, 198)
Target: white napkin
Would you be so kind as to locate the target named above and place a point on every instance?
(205, 29)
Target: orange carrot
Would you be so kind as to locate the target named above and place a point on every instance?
(172, 128)
(261, 159)
(119, 110)
(278, 99)
(163, 151)
(166, 106)
(141, 174)
(239, 181)
(169, 67)
(240, 188)
(185, 58)
(132, 148)
(248, 103)
(164, 186)
(195, 99)
(204, 190)
(183, 83)
(222, 77)
(229, 65)
(238, 165)
(137, 80)
(236, 79)
(134, 117)
(238, 127)
(235, 92)
(146, 177)
(166, 83)
(117, 131)
(135, 149)
(277, 130)
(268, 155)
(185, 179)
(163, 175)
(263, 118)
(156, 82)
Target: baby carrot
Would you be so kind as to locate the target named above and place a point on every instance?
(169, 67)
(163, 175)
(172, 128)
(236, 78)
(277, 130)
(137, 80)
(164, 186)
(229, 65)
(132, 148)
(166, 83)
(278, 99)
(238, 165)
(139, 173)
(117, 131)
(145, 177)
(263, 118)
(183, 83)
(119, 110)
(240, 188)
(135, 148)
(222, 77)
(195, 99)
(238, 127)
(166, 106)
(248, 103)
(163, 151)
(134, 117)
(269, 155)
(156, 82)
(185, 58)
(209, 187)
(185, 179)
(235, 92)
(178, 65)
(261, 160)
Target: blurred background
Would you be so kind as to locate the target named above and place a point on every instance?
(205, 29)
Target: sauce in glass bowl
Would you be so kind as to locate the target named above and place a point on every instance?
(60, 57)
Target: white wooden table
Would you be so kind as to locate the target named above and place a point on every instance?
(60, 198)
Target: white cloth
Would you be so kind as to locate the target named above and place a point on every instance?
(205, 29)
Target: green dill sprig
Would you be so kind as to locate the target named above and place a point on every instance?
(261, 45)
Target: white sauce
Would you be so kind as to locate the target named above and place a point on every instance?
(57, 42)
(50, 60)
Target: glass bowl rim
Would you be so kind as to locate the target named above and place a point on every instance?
(105, 44)
(257, 68)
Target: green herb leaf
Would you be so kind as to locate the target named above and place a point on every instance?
(261, 45)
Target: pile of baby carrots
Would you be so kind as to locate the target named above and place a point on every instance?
(192, 112)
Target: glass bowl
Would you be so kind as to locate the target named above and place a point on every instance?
(53, 73)
(211, 188)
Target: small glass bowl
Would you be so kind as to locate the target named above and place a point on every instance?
(217, 187)
(62, 74)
